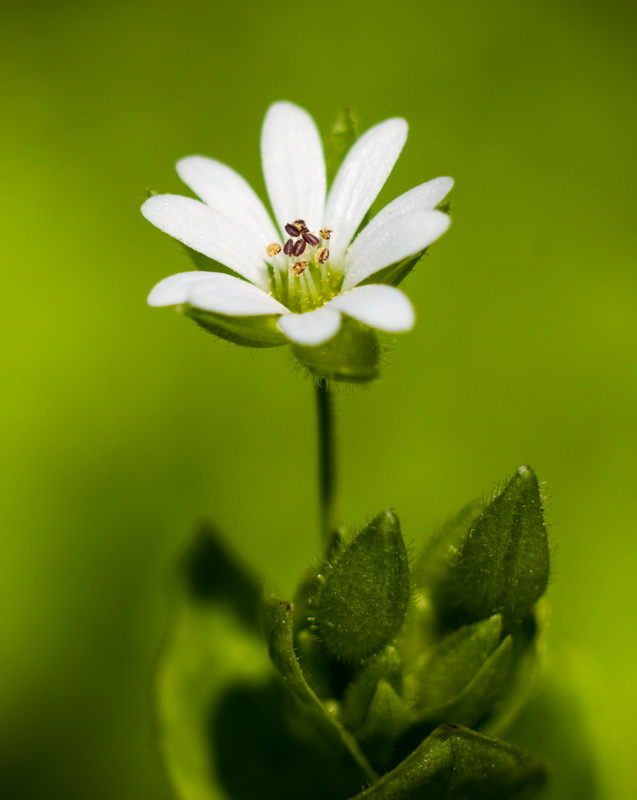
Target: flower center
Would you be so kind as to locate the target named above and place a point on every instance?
(301, 276)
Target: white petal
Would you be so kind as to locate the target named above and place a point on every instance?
(176, 288)
(382, 307)
(206, 231)
(359, 180)
(388, 239)
(293, 165)
(225, 294)
(312, 328)
(223, 189)
(421, 198)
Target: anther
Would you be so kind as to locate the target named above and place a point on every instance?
(292, 229)
(300, 224)
(325, 233)
(298, 248)
(289, 247)
(273, 249)
(310, 238)
(322, 254)
(299, 267)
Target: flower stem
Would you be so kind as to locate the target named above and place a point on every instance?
(327, 463)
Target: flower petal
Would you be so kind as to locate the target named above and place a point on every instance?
(382, 307)
(312, 328)
(223, 189)
(206, 231)
(421, 198)
(293, 165)
(388, 239)
(225, 294)
(176, 289)
(359, 180)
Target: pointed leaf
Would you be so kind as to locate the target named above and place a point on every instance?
(455, 763)
(361, 603)
(454, 662)
(385, 666)
(387, 718)
(340, 743)
(503, 565)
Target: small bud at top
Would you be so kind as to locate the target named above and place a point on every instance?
(299, 267)
(300, 224)
(310, 238)
(289, 246)
(322, 254)
(292, 229)
(298, 248)
(325, 233)
(273, 249)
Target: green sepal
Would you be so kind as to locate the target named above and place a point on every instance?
(385, 666)
(396, 273)
(260, 331)
(454, 662)
(454, 763)
(352, 355)
(387, 718)
(339, 745)
(344, 133)
(361, 602)
(503, 562)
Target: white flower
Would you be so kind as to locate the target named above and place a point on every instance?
(306, 269)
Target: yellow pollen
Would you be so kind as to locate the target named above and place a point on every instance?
(273, 249)
(325, 233)
(322, 254)
(299, 267)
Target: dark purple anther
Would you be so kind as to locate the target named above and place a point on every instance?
(292, 229)
(311, 239)
(289, 247)
(299, 247)
(300, 224)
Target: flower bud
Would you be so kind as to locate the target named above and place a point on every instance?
(362, 600)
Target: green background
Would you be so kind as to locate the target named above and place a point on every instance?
(122, 425)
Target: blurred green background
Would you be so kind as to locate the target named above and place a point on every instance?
(122, 425)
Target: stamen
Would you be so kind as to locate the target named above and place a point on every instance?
(325, 233)
(310, 238)
(289, 247)
(299, 267)
(298, 248)
(273, 249)
(292, 229)
(300, 224)
(322, 254)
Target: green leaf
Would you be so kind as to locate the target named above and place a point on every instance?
(259, 331)
(213, 647)
(340, 744)
(472, 705)
(455, 763)
(503, 566)
(387, 718)
(344, 133)
(454, 662)
(352, 355)
(361, 602)
(385, 666)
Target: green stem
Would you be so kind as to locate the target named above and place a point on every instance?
(327, 462)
